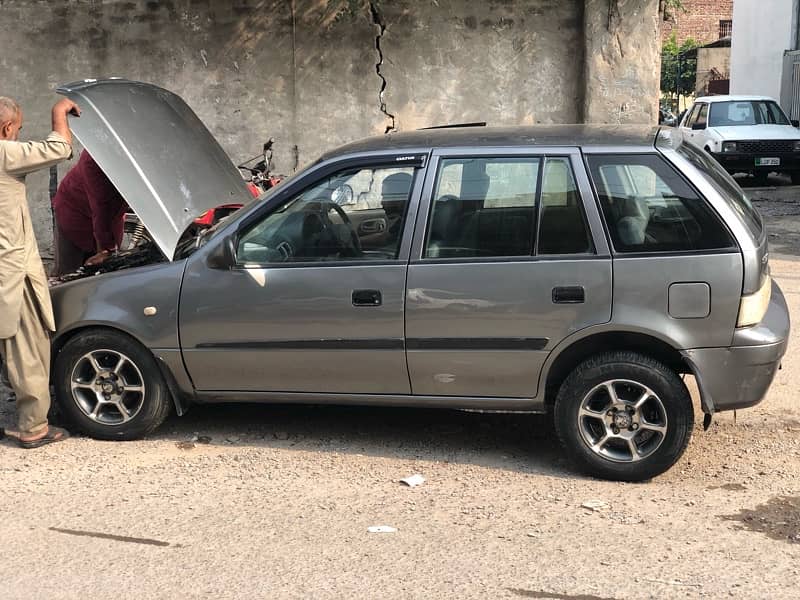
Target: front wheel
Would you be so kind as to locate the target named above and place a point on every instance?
(109, 387)
(624, 416)
(795, 175)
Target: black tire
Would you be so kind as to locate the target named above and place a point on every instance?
(795, 175)
(760, 178)
(147, 409)
(670, 407)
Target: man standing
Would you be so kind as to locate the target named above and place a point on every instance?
(90, 217)
(26, 315)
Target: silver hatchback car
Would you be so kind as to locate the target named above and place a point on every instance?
(576, 270)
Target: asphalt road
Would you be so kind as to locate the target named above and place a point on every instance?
(276, 502)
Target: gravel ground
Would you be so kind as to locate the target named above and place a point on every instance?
(276, 501)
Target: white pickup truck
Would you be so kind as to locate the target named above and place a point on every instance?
(746, 134)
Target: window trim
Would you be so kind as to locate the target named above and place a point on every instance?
(573, 157)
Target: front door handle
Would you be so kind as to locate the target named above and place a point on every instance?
(573, 294)
(367, 298)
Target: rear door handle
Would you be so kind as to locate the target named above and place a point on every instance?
(367, 298)
(574, 294)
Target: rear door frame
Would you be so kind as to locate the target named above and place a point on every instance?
(535, 400)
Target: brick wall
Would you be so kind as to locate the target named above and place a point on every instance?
(700, 20)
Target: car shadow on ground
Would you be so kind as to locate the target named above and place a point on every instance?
(519, 442)
(773, 179)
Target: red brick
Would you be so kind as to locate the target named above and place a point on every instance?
(699, 21)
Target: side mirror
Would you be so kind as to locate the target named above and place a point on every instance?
(795, 123)
(698, 125)
(343, 195)
(223, 255)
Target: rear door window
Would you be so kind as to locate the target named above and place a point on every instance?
(506, 206)
(562, 225)
(649, 207)
(484, 207)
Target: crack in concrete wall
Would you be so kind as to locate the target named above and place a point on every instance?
(381, 25)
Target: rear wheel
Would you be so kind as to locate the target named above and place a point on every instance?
(109, 387)
(624, 416)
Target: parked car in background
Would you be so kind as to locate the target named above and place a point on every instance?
(578, 270)
(746, 134)
(666, 117)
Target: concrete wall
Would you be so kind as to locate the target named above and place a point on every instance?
(310, 72)
(762, 31)
(622, 62)
(708, 61)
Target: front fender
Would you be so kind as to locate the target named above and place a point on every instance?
(119, 300)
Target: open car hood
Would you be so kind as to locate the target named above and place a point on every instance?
(157, 152)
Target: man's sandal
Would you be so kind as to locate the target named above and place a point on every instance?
(54, 434)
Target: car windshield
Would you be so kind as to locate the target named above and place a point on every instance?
(726, 186)
(746, 112)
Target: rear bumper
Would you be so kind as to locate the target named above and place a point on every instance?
(740, 375)
(738, 162)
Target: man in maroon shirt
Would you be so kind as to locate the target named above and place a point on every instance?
(90, 216)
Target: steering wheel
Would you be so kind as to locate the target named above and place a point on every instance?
(325, 206)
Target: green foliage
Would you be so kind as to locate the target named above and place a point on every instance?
(670, 7)
(673, 61)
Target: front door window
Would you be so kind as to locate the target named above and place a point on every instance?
(353, 215)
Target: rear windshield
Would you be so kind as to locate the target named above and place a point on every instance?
(726, 186)
(749, 112)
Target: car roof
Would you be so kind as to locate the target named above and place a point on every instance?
(633, 136)
(733, 98)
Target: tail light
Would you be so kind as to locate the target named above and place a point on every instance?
(753, 307)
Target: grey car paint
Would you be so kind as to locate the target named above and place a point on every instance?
(101, 300)
(754, 252)
(739, 376)
(511, 299)
(158, 154)
(298, 330)
(118, 300)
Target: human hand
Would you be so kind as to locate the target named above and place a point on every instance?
(65, 106)
(97, 259)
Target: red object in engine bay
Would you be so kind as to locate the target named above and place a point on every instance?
(210, 217)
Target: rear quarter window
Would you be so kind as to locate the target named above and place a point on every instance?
(649, 207)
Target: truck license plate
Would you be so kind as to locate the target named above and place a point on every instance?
(768, 162)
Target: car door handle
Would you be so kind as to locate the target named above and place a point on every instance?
(367, 298)
(574, 294)
(372, 226)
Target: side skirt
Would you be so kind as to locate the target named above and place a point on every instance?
(528, 405)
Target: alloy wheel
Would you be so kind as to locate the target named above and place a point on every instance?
(622, 420)
(107, 386)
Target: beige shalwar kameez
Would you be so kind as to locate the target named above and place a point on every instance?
(26, 315)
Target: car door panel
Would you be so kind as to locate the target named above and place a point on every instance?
(294, 329)
(304, 322)
(485, 326)
(486, 329)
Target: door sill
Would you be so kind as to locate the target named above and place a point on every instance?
(459, 402)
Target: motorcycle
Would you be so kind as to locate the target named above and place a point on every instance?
(261, 178)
